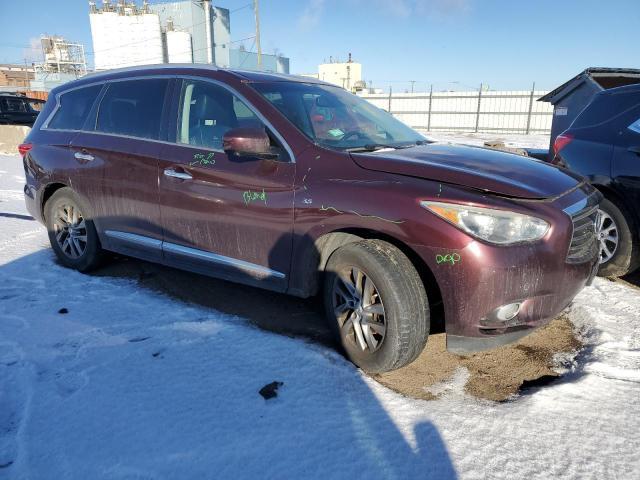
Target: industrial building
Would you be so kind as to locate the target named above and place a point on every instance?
(347, 75)
(63, 61)
(186, 31)
(15, 77)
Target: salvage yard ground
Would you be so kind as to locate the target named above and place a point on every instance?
(139, 371)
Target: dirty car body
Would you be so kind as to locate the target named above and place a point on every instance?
(306, 192)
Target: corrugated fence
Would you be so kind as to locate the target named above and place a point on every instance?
(477, 111)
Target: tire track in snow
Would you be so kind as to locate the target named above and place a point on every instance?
(15, 406)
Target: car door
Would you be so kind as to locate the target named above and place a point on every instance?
(74, 108)
(125, 143)
(225, 216)
(626, 160)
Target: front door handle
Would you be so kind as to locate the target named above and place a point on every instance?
(83, 156)
(171, 172)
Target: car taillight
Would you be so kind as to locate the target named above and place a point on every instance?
(562, 141)
(23, 148)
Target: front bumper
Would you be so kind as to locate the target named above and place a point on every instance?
(461, 345)
(479, 279)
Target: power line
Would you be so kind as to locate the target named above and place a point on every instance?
(177, 53)
(247, 56)
(240, 8)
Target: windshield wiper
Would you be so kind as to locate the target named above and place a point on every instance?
(372, 147)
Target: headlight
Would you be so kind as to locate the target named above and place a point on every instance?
(496, 226)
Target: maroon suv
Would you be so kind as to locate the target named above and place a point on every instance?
(297, 186)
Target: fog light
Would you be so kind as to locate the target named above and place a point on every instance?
(507, 312)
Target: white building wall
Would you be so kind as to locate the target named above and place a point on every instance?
(344, 74)
(125, 40)
(179, 48)
(221, 31)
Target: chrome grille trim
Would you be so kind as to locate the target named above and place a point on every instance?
(584, 217)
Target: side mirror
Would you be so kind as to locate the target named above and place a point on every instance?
(248, 142)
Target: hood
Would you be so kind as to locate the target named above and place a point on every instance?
(475, 167)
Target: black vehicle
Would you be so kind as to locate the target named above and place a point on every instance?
(18, 109)
(603, 144)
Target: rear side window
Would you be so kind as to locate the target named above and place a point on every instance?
(14, 105)
(133, 108)
(606, 107)
(74, 108)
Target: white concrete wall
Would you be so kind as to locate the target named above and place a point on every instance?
(11, 136)
(500, 111)
(179, 47)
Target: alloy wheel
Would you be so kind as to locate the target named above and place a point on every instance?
(358, 307)
(608, 236)
(70, 230)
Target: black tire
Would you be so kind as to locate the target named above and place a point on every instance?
(399, 290)
(626, 256)
(92, 254)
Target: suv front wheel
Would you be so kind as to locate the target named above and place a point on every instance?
(376, 305)
(72, 235)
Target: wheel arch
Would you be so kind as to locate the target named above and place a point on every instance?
(47, 192)
(316, 254)
(611, 194)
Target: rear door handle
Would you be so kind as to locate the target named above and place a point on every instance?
(83, 156)
(171, 172)
(635, 150)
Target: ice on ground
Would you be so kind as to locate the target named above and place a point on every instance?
(133, 384)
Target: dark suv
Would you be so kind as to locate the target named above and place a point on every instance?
(297, 186)
(603, 144)
(18, 110)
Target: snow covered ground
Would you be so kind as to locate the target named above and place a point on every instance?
(130, 384)
(510, 139)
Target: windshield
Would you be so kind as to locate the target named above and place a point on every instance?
(334, 118)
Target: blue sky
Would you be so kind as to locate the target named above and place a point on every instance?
(455, 44)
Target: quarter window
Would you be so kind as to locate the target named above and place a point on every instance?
(207, 111)
(133, 108)
(635, 126)
(75, 105)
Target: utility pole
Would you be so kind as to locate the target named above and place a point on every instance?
(26, 75)
(478, 111)
(533, 91)
(412, 83)
(257, 15)
(430, 102)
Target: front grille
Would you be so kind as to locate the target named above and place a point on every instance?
(584, 241)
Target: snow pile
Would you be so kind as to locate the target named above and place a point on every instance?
(133, 384)
(510, 140)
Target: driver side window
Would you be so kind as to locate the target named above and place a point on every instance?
(207, 111)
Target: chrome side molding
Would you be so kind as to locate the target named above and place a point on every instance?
(247, 267)
(256, 271)
(135, 239)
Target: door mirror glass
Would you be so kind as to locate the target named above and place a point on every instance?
(248, 142)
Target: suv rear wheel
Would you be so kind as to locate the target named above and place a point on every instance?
(376, 305)
(72, 235)
(619, 249)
